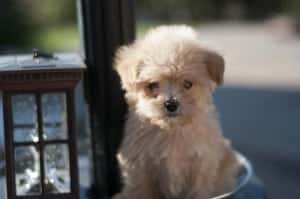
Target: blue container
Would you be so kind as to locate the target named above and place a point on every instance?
(248, 186)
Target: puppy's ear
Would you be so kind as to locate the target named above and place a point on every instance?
(215, 66)
(126, 63)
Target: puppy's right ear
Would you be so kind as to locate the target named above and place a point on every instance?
(126, 64)
(215, 66)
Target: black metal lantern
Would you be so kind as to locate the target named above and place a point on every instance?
(38, 109)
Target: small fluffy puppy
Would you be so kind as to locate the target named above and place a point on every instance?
(173, 147)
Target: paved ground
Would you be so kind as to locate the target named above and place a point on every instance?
(260, 104)
(255, 54)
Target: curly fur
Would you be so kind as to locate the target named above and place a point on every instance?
(183, 156)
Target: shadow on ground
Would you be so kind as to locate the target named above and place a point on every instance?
(264, 124)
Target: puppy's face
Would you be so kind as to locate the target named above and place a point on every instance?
(171, 83)
(169, 96)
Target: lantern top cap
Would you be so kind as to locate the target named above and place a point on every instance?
(40, 61)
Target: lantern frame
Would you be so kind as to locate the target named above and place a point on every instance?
(39, 81)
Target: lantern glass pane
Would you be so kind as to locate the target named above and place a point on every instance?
(2, 160)
(27, 168)
(54, 116)
(24, 111)
(57, 168)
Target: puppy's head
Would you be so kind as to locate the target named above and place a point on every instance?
(168, 77)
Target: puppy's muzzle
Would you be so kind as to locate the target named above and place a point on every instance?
(171, 105)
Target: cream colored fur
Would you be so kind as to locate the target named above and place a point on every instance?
(182, 156)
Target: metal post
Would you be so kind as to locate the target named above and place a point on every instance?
(106, 25)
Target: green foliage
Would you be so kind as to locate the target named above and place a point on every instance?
(13, 25)
(292, 6)
(27, 24)
(61, 38)
(174, 10)
(50, 12)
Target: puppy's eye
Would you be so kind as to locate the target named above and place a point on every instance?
(187, 84)
(152, 86)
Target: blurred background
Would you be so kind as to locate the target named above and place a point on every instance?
(50, 25)
(259, 104)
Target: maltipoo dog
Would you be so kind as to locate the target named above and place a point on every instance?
(173, 147)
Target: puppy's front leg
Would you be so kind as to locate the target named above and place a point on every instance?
(201, 188)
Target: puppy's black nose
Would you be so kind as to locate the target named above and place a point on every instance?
(171, 105)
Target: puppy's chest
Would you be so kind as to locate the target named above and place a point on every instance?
(176, 164)
(181, 159)
(180, 151)
(177, 161)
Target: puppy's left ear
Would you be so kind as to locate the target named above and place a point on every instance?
(215, 65)
(126, 63)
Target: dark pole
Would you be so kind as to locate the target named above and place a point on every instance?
(106, 24)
